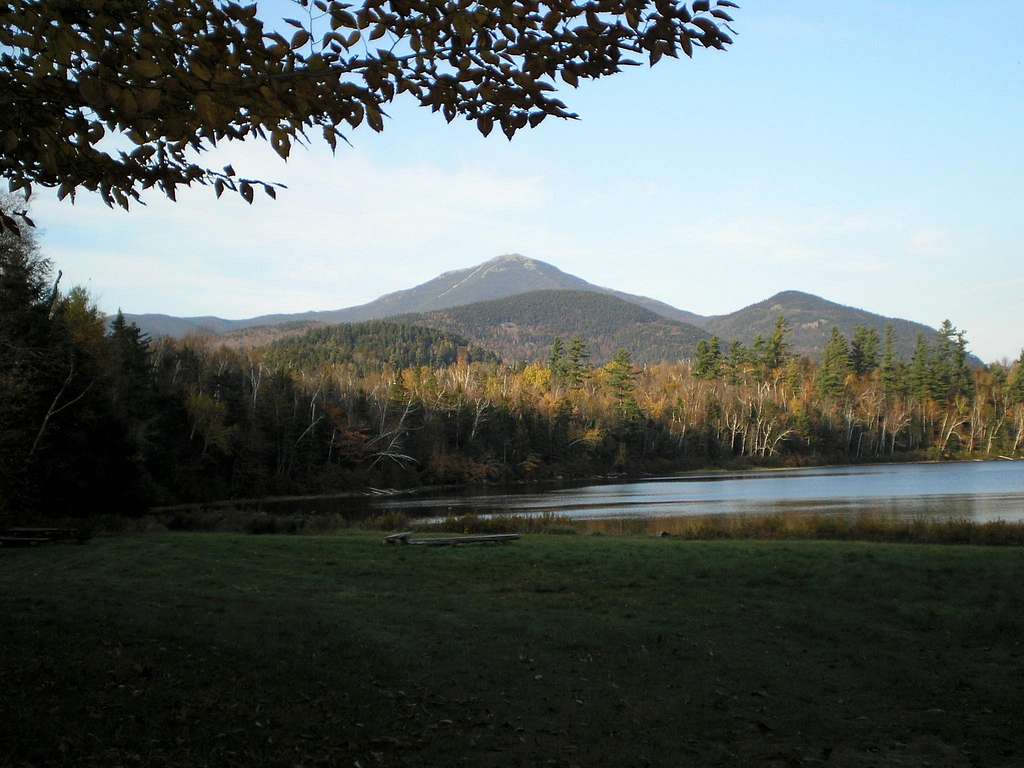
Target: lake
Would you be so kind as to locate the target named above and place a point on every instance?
(979, 491)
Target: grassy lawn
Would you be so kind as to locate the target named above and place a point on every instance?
(214, 649)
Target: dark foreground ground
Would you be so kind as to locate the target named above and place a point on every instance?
(193, 649)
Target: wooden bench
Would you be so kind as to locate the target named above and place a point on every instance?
(24, 537)
(22, 541)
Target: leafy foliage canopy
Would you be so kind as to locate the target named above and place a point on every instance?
(81, 79)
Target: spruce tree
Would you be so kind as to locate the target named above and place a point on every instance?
(577, 366)
(31, 363)
(890, 373)
(132, 385)
(777, 351)
(760, 355)
(737, 361)
(943, 362)
(864, 350)
(557, 362)
(835, 366)
(708, 363)
(621, 379)
(962, 378)
(922, 370)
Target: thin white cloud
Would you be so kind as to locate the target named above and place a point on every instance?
(344, 227)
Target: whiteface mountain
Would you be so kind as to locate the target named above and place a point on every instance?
(810, 317)
(497, 278)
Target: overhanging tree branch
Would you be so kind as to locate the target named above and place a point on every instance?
(175, 77)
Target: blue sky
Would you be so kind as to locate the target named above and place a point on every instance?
(868, 152)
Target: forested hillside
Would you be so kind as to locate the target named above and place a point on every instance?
(372, 346)
(262, 335)
(811, 319)
(524, 327)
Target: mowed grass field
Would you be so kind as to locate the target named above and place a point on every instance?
(218, 649)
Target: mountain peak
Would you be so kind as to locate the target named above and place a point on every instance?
(791, 295)
(517, 261)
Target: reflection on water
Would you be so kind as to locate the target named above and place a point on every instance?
(979, 491)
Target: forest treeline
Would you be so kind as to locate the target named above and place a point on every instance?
(94, 415)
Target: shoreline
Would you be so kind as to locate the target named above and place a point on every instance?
(561, 481)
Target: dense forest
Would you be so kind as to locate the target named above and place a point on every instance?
(524, 326)
(96, 415)
(371, 345)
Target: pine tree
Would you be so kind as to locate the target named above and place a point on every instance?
(777, 352)
(577, 367)
(943, 362)
(557, 362)
(962, 379)
(29, 373)
(864, 350)
(759, 355)
(890, 372)
(737, 361)
(835, 366)
(708, 363)
(622, 381)
(922, 370)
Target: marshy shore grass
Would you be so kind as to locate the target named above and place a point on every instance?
(792, 526)
(772, 527)
(234, 650)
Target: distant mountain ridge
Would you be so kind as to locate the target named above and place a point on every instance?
(496, 278)
(524, 326)
(504, 277)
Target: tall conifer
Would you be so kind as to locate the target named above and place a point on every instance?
(835, 366)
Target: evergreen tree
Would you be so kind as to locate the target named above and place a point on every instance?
(622, 381)
(33, 352)
(557, 362)
(1016, 390)
(962, 382)
(864, 350)
(708, 364)
(777, 352)
(890, 372)
(737, 361)
(943, 362)
(577, 366)
(922, 370)
(759, 355)
(999, 379)
(835, 366)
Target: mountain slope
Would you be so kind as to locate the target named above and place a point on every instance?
(811, 319)
(523, 327)
(497, 278)
(371, 345)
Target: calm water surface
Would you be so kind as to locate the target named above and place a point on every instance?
(976, 490)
